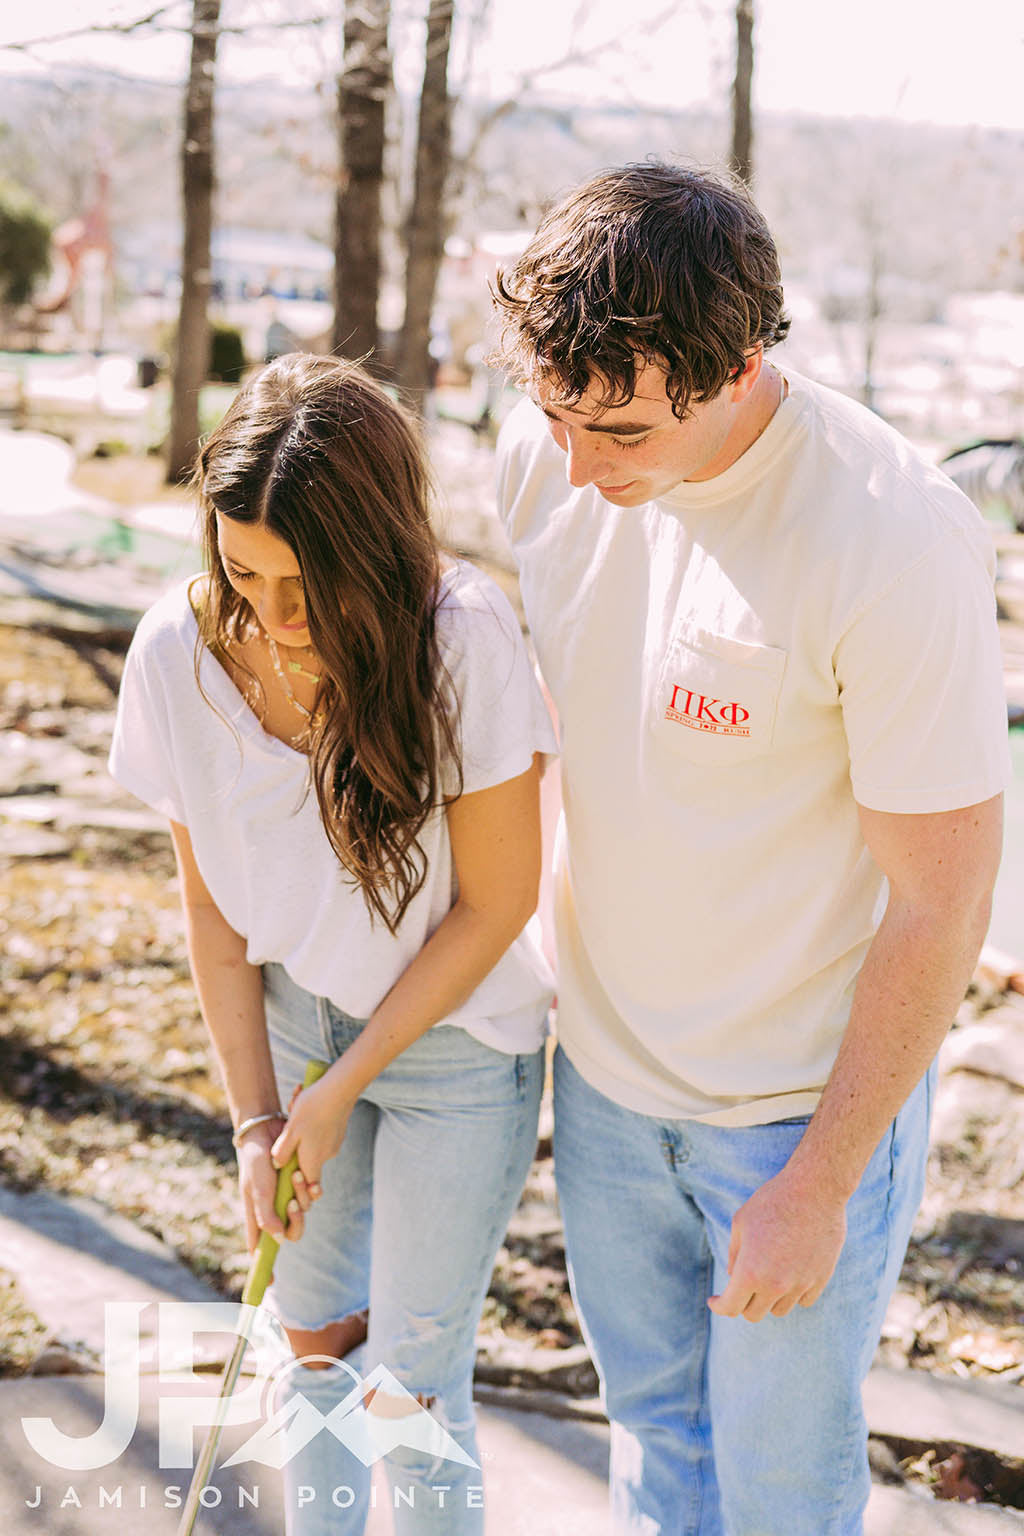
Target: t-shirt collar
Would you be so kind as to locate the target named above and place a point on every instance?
(752, 464)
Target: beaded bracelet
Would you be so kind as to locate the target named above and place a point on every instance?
(251, 1124)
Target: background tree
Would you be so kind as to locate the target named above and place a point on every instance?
(873, 307)
(364, 86)
(426, 228)
(596, 47)
(24, 245)
(192, 350)
(742, 154)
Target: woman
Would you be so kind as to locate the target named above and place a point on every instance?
(346, 734)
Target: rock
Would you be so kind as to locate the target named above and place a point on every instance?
(969, 1106)
(533, 1222)
(997, 972)
(984, 1348)
(503, 1363)
(1000, 1238)
(43, 764)
(553, 1405)
(912, 1512)
(65, 1358)
(902, 1320)
(32, 843)
(953, 1480)
(918, 1405)
(1010, 600)
(994, 1046)
(884, 1464)
(66, 811)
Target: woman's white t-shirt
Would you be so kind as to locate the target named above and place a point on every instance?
(254, 821)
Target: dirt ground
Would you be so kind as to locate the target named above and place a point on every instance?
(107, 1087)
(108, 1090)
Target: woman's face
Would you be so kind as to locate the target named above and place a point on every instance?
(263, 569)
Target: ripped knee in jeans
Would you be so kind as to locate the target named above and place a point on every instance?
(387, 1406)
(332, 1341)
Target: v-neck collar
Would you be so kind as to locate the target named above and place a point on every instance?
(240, 713)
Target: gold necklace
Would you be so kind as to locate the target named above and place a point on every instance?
(297, 669)
(307, 714)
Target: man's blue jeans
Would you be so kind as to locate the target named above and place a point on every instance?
(721, 1427)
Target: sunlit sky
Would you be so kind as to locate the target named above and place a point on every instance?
(911, 59)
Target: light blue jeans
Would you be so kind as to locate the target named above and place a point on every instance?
(722, 1427)
(413, 1210)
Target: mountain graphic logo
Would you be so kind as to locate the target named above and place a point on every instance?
(369, 1436)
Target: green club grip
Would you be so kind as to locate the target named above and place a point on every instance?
(261, 1269)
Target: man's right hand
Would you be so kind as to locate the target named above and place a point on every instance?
(785, 1244)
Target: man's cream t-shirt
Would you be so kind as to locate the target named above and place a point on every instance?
(735, 666)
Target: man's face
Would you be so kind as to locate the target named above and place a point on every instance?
(636, 452)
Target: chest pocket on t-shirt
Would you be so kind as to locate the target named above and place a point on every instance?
(717, 698)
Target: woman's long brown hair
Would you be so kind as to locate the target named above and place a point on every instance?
(316, 452)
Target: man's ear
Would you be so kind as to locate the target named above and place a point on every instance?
(744, 382)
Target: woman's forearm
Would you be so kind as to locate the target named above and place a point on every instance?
(464, 948)
(230, 991)
(231, 999)
(495, 836)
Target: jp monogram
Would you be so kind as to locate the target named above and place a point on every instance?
(703, 713)
(294, 1422)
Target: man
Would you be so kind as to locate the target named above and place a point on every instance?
(769, 631)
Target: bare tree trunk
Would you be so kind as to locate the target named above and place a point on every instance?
(363, 89)
(874, 310)
(427, 219)
(192, 352)
(742, 157)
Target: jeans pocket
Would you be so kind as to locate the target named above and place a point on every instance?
(296, 1019)
(530, 1076)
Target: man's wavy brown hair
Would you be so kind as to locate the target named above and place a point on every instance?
(316, 452)
(648, 263)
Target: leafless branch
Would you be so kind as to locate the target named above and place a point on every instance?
(276, 26)
(529, 78)
(124, 28)
(153, 22)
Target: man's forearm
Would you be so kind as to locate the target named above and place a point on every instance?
(910, 986)
(787, 1237)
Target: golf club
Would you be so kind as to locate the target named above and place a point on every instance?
(260, 1274)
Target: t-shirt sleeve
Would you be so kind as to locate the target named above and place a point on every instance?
(921, 686)
(503, 720)
(141, 754)
(524, 456)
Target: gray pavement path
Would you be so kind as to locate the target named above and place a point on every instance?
(543, 1475)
